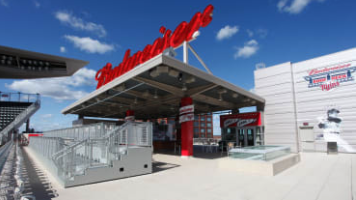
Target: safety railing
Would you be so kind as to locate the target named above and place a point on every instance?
(90, 146)
(19, 97)
(20, 119)
(82, 132)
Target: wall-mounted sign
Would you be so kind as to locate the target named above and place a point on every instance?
(186, 113)
(186, 118)
(183, 32)
(241, 120)
(186, 109)
(328, 78)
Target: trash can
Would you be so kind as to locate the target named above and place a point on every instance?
(332, 148)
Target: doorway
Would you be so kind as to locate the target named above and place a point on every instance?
(246, 136)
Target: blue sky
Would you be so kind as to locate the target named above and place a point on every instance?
(242, 34)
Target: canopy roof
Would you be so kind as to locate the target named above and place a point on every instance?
(22, 64)
(154, 90)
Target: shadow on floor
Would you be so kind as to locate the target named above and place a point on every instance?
(36, 184)
(162, 166)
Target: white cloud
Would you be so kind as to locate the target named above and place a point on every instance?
(64, 88)
(227, 32)
(250, 48)
(46, 116)
(62, 49)
(4, 3)
(37, 4)
(80, 24)
(294, 6)
(89, 45)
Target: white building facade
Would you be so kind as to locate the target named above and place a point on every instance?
(311, 102)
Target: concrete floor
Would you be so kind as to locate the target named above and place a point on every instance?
(317, 176)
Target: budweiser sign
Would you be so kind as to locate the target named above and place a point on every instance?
(241, 120)
(183, 32)
(328, 78)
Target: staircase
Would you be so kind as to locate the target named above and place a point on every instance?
(14, 113)
(95, 153)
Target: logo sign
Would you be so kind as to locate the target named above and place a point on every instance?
(186, 118)
(330, 77)
(241, 120)
(183, 32)
(186, 109)
(186, 113)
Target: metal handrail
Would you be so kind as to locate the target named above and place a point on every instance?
(20, 97)
(21, 118)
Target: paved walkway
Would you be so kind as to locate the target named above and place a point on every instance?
(317, 177)
(37, 183)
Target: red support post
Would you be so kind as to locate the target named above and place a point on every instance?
(187, 131)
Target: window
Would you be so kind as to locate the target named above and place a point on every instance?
(208, 130)
(196, 117)
(208, 124)
(202, 118)
(208, 119)
(196, 123)
(202, 124)
(196, 130)
(196, 135)
(202, 130)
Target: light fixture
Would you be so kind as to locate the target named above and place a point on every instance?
(135, 101)
(180, 77)
(154, 73)
(222, 91)
(121, 88)
(190, 79)
(184, 88)
(235, 95)
(253, 102)
(146, 94)
(173, 73)
(155, 96)
(220, 97)
(162, 69)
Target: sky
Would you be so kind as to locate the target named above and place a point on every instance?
(241, 35)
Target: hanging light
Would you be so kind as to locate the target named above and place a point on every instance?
(220, 97)
(184, 88)
(155, 96)
(135, 101)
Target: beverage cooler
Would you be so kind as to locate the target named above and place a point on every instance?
(244, 129)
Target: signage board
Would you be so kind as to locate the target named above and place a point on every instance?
(241, 120)
(328, 78)
(186, 118)
(186, 109)
(170, 39)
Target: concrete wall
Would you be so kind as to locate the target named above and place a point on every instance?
(275, 84)
(291, 101)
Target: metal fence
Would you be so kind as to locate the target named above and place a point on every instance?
(73, 150)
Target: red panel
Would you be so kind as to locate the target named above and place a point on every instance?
(241, 120)
(187, 131)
